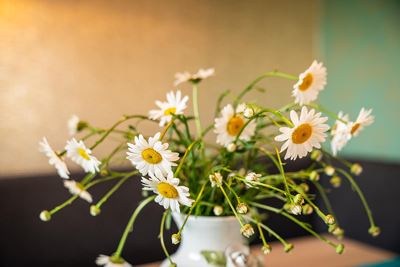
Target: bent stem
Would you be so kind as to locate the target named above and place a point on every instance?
(193, 206)
(360, 194)
(230, 205)
(161, 236)
(190, 147)
(260, 78)
(290, 217)
(114, 189)
(129, 226)
(269, 230)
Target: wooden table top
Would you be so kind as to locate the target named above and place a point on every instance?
(309, 252)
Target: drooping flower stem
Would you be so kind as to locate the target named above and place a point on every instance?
(196, 110)
(292, 218)
(114, 189)
(198, 198)
(262, 77)
(130, 224)
(326, 201)
(161, 236)
(269, 230)
(230, 204)
(262, 237)
(165, 130)
(360, 194)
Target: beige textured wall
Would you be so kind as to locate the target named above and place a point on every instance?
(100, 59)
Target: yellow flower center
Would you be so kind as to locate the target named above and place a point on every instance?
(151, 156)
(302, 133)
(234, 126)
(80, 186)
(83, 154)
(167, 190)
(170, 111)
(355, 128)
(307, 81)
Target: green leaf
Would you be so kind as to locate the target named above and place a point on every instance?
(216, 258)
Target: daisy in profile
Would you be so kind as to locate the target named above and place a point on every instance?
(170, 193)
(82, 156)
(364, 119)
(73, 123)
(54, 159)
(308, 132)
(182, 77)
(107, 261)
(343, 132)
(310, 83)
(175, 104)
(152, 156)
(230, 124)
(76, 188)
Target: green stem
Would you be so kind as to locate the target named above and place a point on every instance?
(193, 206)
(115, 125)
(283, 241)
(260, 78)
(190, 147)
(114, 189)
(292, 218)
(231, 206)
(329, 113)
(196, 110)
(326, 201)
(162, 236)
(130, 224)
(360, 194)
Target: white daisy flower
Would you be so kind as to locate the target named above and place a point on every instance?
(77, 188)
(310, 83)
(152, 156)
(201, 74)
(229, 125)
(73, 123)
(364, 119)
(308, 132)
(175, 105)
(107, 261)
(170, 193)
(54, 159)
(343, 132)
(82, 156)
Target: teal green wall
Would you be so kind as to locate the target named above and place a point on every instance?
(360, 45)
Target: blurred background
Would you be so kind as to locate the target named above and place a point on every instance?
(102, 59)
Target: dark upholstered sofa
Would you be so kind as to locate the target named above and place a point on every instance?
(74, 238)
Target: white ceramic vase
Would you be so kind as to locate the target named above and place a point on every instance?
(204, 233)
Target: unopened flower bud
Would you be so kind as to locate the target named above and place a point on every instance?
(247, 230)
(316, 155)
(176, 239)
(104, 172)
(94, 210)
(45, 216)
(374, 231)
(288, 247)
(338, 232)
(253, 177)
(356, 169)
(242, 208)
(314, 176)
(216, 179)
(218, 210)
(329, 219)
(329, 170)
(81, 125)
(231, 147)
(266, 249)
(295, 209)
(339, 249)
(248, 113)
(336, 181)
(307, 209)
(298, 199)
(304, 187)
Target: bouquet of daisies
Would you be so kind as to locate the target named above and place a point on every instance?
(191, 173)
